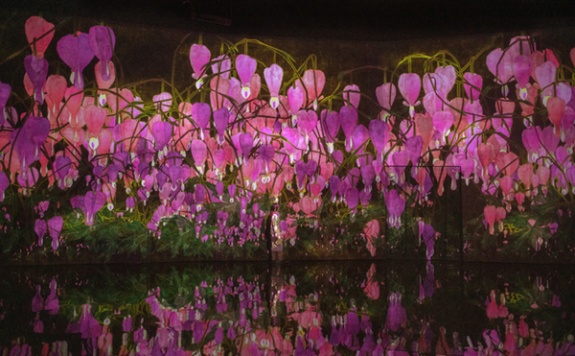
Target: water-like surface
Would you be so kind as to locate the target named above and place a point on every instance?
(292, 308)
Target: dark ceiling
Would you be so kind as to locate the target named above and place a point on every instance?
(349, 19)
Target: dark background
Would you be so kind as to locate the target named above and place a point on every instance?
(344, 19)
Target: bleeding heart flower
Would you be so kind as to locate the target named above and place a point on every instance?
(522, 70)
(351, 95)
(94, 117)
(442, 122)
(221, 66)
(427, 234)
(162, 132)
(40, 228)
(555, 111)
(246, 67)
(386, 94)
(308, 205)
(395, 207)
(396, 314)
(221, 118)
(414, 147)
(102, 42)
(37, 70)
(29, 138)
(473, 83)
(379, 135)
(312, 83)
(352, 197)
(39, 34)
(409, 86)
(500, 64)
(490, 214)
(273, 76)
(199, 154)
(5, 91)
(201, 113)
(330, 123)
(545, 75)
(55, 225)
(525, 174)
(199, 59)
(306, 121)
(447, 77)
(219, 92)
(4, 183)
(56, 87)
(295, 99)
(359, 136)
(76, 52)
(101, 81)
(246, 142)
(91, 203)
(162, 102)
(348, 118)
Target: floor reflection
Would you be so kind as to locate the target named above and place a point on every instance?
(385, 307)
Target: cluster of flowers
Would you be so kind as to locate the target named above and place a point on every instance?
(279, 138)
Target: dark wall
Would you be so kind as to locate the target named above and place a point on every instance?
(344, 35)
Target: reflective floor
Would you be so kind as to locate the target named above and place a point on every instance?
(386, 307)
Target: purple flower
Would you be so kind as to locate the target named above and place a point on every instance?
(76, 52)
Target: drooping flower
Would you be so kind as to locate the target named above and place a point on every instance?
(545, 75)
(312, 83)
(306, 121)
(386, 94)
(55, 87)
(102, 42)
(396, 314)
(29, 138)
(555, 111)
(409, 86)
(162, 132)
(201, 113)
(162, 102)
(246, 67)
(199, 59)
(75, 51)
(296, 97)
(500, 64)
(94, 117)
(199, 154)
(55, 225)
(5, 91)
(426, 233)
(371, 231)
(37, 71)
(90, 204)
(39, 34)
(473, 83)
(330, 124)
(351, 95)
(221, 118)
(348, 117)
(273, 76)
(490, 214)
(395, 207)
(40, 229)
(4, 183)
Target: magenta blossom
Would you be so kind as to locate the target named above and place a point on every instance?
(90, 204)
(76, 52)
(102, 42)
